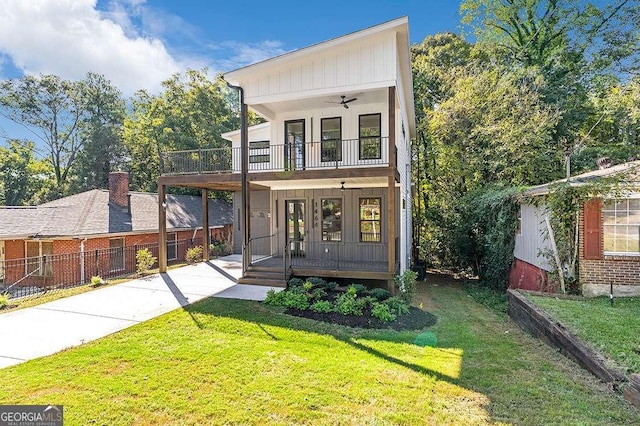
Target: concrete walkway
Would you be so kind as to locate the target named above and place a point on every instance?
(49, 328)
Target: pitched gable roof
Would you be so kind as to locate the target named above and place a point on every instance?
(90, 213)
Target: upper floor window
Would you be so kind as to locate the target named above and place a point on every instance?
(370, 141)
(331, 137)
(621, 219)
(259, 152)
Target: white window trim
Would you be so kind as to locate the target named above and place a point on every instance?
(40, 258)
(632, 196)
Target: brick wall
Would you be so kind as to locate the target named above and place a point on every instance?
(596, 276)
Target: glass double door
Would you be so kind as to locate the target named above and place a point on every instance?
(294, 146)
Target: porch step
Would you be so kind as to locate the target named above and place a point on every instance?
(269, 282)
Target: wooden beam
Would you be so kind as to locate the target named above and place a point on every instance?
(162, 228)
(205, 225)
(393, 162)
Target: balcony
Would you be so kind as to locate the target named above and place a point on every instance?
(331, 154)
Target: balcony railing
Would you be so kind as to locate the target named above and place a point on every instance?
(331, 154)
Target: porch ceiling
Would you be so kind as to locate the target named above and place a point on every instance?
(324, 101)
(333, 183)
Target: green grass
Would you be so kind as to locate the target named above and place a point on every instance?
(224, 361)
(613, 331)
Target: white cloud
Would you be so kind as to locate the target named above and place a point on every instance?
(241, 54)
(71, 37)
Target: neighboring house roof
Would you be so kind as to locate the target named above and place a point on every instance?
(631, 170)
(90, 213)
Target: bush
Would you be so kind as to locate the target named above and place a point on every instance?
(4, 300)
(219, 248)
(97, 280)
(287, 299)
(397, 305)
(332, 285)
(318, 293)
(194, 254)
(380, 294)
(295, 282)
(348, 304)
(360, 289)
(307, 286)
(406, 283)
(322, 306)
(144, 261)
(382, 312)
(317, 282)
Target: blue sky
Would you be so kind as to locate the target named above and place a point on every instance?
(137, 44)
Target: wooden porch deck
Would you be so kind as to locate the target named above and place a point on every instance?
(303, 266)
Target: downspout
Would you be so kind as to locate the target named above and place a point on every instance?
(82, 277)
(244, 167)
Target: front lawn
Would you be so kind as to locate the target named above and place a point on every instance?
(613, 331)
(224, 361)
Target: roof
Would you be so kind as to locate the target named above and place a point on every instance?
(90, 213)
(630, 170)
(399, 25)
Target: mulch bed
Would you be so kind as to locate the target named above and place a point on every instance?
(416, 319)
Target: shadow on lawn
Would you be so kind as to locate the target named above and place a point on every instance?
(262, 316)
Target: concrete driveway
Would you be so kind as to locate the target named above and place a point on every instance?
(49, 328)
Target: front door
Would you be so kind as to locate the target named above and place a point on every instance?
(295, 226)
(294, 145)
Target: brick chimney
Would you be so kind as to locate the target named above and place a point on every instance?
(119, 189)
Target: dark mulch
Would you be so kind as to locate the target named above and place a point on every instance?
(416, 319)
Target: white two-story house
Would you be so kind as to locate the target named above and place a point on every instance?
(323, 187)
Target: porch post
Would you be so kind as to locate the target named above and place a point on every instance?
(391, 187)
(205, 224)
(162, 228)
(244, 211)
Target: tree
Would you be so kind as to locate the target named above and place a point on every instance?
(101, 134)
(191, 113)
(51, 109)
(23, 179)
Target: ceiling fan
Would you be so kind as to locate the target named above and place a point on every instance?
(344, 101)
(342, 188)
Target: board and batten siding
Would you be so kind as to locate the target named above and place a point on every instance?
(260, 220)
(360, 64)
(532, 238)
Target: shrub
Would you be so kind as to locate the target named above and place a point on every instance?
(360, 289)
(97, 280)
(144, 260)
(351, 291)
(307, 286)
(317, 282)
(194, 254)
(295, 282)
(4, 300)
(218, 248)
(287, 299)
(380, 294)
(406, 283)
(318, 293)
(322, 306)
(382, 312)
(397, 304)
(348, 304)
(332, 285)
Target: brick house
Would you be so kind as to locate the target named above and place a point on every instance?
(97, 232)
(608, 239)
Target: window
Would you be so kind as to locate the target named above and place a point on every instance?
(38, 261)
(331, 137)
(370, 142)
(370, 230)
(259, 152)
(331, 219)
(172, 246)
(622, 226)
(116, 254)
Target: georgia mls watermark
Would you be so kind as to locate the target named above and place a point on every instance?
(31, 415)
